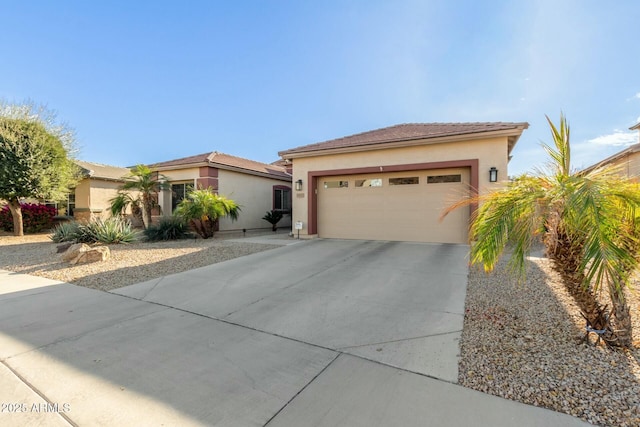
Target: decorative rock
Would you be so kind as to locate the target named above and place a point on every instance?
(81, 253)
(63, 247)
(74, 250)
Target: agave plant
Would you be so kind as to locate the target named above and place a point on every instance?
(172, 228)
(65, 232)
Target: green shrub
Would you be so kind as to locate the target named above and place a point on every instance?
(66, 232)
(110, 230)
(273, 217)
(35, 217)
(172, 228)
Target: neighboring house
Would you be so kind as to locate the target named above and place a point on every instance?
(627, 160)
(394, 183)
(90, 198)
(256, 187)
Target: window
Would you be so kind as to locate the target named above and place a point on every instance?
(374, 182)
(404, 180)
(71, 203)
(441, 179)
(179, 192)
(336, 184)
(51, 204)
(282, 198)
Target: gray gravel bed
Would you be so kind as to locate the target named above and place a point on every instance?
(521, 342)
(129, 264)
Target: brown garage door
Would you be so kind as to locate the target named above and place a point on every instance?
(403, 206)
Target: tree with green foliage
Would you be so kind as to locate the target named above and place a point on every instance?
(35, 158)
(588, 222)
(203, 208)
(147, 183)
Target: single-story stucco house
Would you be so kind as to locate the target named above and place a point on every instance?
(394, 183)
(90, 198)
(256, 187)
(627, 160)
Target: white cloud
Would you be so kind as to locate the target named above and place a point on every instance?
(616, 139)
(637, 95)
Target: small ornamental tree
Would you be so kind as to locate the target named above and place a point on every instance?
(148, 184)
(34, 158)
(589, 222)
(203, 208)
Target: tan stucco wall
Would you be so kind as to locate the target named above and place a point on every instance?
(92, 198)
(82, 210)
(490, 152)
(253, 193)
(629, 165)
(101, 193)
(255, 196)
(188, 174)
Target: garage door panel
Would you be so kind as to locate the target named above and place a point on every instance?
(408, 212)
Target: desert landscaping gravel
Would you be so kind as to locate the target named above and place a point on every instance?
(520, 341)
(128, 264)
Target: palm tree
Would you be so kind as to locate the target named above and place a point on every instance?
(148, 184)
(587, 221)
(120, 203)
(203, 208)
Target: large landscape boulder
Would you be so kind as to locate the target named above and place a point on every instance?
(81, 253)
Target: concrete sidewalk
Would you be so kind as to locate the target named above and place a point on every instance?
(88, 357)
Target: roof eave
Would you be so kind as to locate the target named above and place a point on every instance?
(252, 172)
(176, 167)
(220, 166)
(617, 156)
(513, 133)
(105, 178)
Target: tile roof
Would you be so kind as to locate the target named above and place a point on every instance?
(96, 170)
(619, 155)
(634, 148)
(225, 160)
(407, 132)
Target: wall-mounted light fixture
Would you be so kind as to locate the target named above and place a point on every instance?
(493, 174)
(299, 185)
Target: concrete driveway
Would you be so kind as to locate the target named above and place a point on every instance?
(320, 333)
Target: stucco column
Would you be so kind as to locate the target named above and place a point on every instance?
(164, 200)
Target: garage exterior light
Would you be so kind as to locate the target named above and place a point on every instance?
(299, 185)
(493, 175)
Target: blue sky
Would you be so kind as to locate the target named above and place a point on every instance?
(149, 81)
